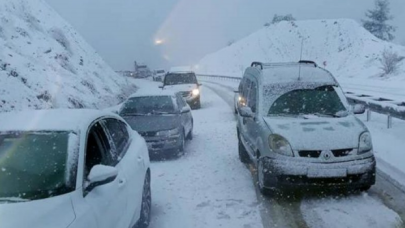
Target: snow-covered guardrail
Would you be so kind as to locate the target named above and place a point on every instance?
(388, 107)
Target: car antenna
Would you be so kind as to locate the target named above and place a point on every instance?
(299, 68)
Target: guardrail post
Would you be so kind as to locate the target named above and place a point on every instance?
(389, 122)
(368, 115)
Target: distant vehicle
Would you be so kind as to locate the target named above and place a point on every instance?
(186, 83)
(159, 75)
(143, 71)
(299, 130)
(163, 118)
(72, 168)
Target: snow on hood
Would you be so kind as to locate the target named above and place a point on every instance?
(55, 212)
(181, 87)
(318, 133)
(152, 123)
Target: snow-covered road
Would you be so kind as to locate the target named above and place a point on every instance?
(208, 186)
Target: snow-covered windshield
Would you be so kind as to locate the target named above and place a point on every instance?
(148, 105)
(321, 101)
(180, 78)
(34, 165)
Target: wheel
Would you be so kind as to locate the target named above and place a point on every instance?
(236, 111)
(197, 104)
(190, 134)
(182, 142)
(243, 155)
(146, 206)
(260, 180)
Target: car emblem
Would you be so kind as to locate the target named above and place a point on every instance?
(327, 155)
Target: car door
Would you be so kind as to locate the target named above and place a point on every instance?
(107, 201)
(244, 120)
(186, 121)
(130, 162)
(252, 123)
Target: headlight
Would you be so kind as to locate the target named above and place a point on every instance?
(195, 92)
(365, 143)
(280, 145)
(169, 133)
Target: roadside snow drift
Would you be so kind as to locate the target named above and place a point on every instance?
(342, 46)
(44, 63)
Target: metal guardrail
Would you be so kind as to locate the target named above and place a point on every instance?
(384, 106)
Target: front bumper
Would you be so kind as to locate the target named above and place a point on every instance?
(291, 174)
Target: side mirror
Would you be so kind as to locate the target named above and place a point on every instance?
(359, 109)
(185, 109)
(161, 87)
(100, 175)
(236, 91)
(246, 112)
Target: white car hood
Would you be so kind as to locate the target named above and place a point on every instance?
(55, 212)
(318, 133)
(181, 87)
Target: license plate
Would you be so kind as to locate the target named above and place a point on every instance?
(325, 173)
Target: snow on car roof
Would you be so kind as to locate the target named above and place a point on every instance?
(153, 92)
(49, 120)
(291, 73)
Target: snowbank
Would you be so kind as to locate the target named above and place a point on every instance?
(341, 46)
(44, 63)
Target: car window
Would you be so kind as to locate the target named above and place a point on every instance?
(120, 137)
(148, 105)
(97, 148)
(322, 100)
(252, 100)
(180, 78)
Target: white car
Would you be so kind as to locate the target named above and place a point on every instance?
(72, 168)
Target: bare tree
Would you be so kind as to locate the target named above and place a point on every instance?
(390, 62)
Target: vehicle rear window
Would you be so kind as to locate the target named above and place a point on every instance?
(148, 105)
(181, 78)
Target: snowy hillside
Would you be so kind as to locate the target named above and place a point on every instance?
(44, 63)
(341, 46)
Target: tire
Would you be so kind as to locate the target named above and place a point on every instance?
(182, 140)
(197, 104)
(190, 134)
(146, 206)
(243, 155)
(260, 180)
(365, 188)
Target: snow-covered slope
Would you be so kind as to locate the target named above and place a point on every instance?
(44, 63)
(341, 46)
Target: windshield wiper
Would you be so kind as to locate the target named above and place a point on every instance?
(134, 114)
(335, 115)
(13, 199)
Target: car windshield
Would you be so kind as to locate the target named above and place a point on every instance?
(34, 165)
(322, 101)
(148, 105)
(181, 78)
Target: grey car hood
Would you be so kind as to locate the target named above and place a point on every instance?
(153, 122)
(318, 133)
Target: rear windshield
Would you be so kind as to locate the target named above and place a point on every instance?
(160, 71)
(34, 165)
(148, 105)
(180, 78)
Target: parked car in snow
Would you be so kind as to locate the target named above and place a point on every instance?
(159, 75)
(72, 168)
(162, 117)
(296, 126)
(186, 83)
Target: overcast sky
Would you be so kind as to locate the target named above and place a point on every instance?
(126, 30)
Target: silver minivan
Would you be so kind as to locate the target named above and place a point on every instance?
(296, 126)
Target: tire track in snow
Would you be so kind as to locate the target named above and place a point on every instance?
(278, 211)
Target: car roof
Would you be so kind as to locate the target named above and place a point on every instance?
(277, 73)
(50, 119)
(153, 92)
(181, 72)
